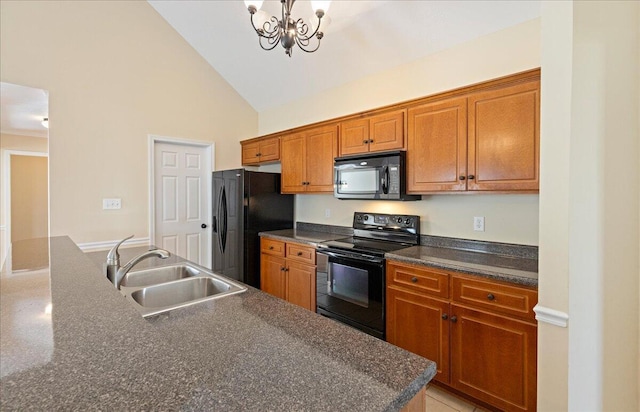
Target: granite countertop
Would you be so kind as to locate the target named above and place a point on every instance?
(70, 340)
(308, 237)
(483, 261)
(518, 270)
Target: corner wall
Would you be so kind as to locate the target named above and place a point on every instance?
(508, 218)
(115, 72)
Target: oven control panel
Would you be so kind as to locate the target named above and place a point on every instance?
(385, 221)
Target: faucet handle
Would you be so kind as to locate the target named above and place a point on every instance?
(113, 257)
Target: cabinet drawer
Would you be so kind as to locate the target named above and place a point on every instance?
(301, 253)
(497, 297)
(272, 247)
(418, 279)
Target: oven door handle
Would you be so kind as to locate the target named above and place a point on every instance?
(356, 256)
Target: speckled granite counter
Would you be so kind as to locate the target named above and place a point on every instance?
(512, 269)
(70, 341)
(307, 237)
(506, 262)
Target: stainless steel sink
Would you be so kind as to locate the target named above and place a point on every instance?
(165, 288)
(153, 276)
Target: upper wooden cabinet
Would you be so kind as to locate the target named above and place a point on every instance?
(484, 141)
(437, 146)
(307, 160)
(261, 151)
(372, 134)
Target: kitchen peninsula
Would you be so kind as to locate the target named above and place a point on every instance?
(71, 341)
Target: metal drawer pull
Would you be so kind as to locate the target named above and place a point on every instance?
(414, 279)
(299, 253)
(490, 296)
(454, 319)
(445, 316)
(270, 247)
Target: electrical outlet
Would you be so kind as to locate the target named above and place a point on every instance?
(327, 213)
(108, 204)
(478, 223)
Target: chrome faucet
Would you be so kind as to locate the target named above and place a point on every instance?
(113, 260)
(161, 253)
(115, 273)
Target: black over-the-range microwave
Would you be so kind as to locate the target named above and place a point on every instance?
(371, 176)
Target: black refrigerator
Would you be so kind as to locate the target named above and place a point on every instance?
(244, 204)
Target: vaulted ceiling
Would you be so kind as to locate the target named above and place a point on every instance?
(364, 37)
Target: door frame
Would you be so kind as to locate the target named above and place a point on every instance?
(210, 165)
(6, 196)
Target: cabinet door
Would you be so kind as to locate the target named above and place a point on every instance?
(270, 150)
(293, 163)
(250, 153)
(272, 275)
(387, 132)
(322, 148)
(493, 358)
(504, 138)
(301, 285)
(437, 147)
(354, 137)
(420, 325)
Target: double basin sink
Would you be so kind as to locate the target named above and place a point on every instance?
(165, 288)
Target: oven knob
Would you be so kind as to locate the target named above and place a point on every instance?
(359, 217)
(366, 217)
(399, 220)
(408, 221)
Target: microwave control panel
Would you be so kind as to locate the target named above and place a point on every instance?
(394, 179)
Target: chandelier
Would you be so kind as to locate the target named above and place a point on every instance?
(287, 31)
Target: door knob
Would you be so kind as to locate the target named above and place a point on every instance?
(204, 225)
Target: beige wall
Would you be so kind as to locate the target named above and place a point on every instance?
(508, 218)
(589, 207)
(29, 197)
(115, 72)
(553, 286)
(17, 143)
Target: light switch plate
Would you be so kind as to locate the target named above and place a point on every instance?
(108, 204)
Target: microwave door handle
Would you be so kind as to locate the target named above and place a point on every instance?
(384, 181)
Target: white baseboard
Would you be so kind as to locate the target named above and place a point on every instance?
(551, 316)
(95, 246)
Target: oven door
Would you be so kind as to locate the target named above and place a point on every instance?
(350, 289)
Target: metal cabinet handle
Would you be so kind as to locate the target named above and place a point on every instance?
(414, 279)
(370, 140)
(365, 141)
(462, 177)
(445, 316)
(283, 269)
(490, 296)
(258, 154)
(471, 177)
(454, 319)
(299, 253)
(270, 247)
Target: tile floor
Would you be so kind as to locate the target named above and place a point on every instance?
(438, 400)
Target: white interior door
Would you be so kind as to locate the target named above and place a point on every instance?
(182, 175)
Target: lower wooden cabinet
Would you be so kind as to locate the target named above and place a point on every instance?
(493, 358)
(482, 336)
(288, 271)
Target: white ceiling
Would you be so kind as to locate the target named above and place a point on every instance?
(22, 110)
(364, 37)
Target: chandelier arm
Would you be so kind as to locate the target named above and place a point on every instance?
(272, 41)
(302, 47)
(302, 28)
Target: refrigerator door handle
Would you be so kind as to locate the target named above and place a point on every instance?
(217, 219)
(223, 242)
